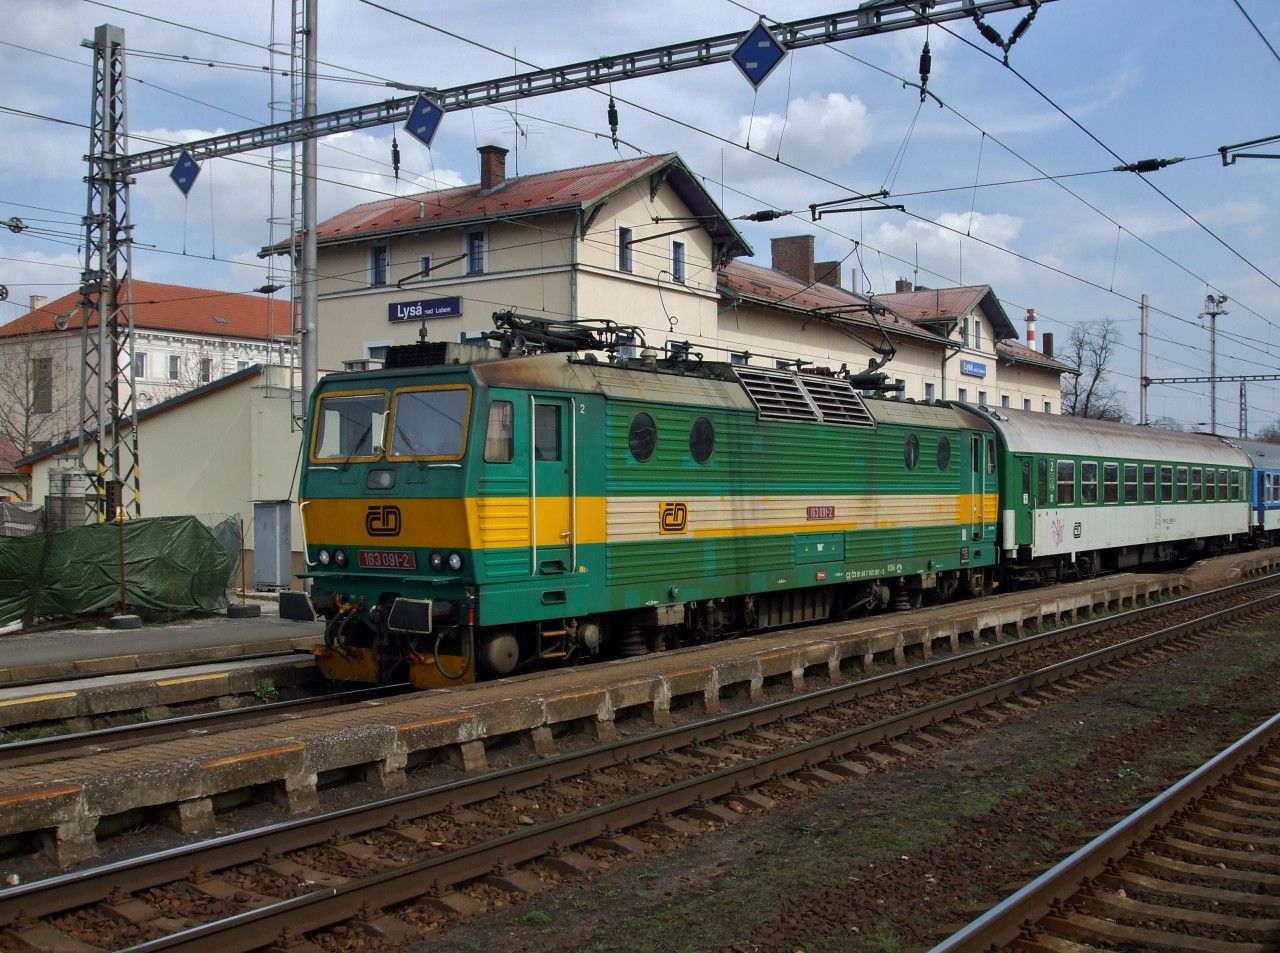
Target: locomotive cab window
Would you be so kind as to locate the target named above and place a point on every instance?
(500, 435)
(1197, 484)
(1110, 482)
(1182, 485)
(642, 437)
(1088, 482)
(1131, 483)
(1066, 482)
(349, 427)
(429, 423)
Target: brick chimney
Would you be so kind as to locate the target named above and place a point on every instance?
(1031, 328)
(902, 285)
(827, 273)
(493, 167)
(38, 302)
(1048, 344)
(793, 255)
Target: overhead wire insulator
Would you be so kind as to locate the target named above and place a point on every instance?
(1147, 165)
(395, 156)
(926, 64)
(613, 121)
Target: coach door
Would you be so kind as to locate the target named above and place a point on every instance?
(977, 463)
(553, 487)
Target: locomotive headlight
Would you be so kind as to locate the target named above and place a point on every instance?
(437, 561)
(381, 479)
(455, 562)
(339, 557)
(323, 557)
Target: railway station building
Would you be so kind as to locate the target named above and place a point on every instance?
(642, 243)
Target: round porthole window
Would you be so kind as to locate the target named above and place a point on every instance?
(911, 452)
(702, 439)
(944, 453)
(642, 438)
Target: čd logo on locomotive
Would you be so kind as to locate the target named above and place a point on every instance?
(382, 521)
(673, 518)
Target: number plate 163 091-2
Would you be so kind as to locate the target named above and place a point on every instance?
(386, 559)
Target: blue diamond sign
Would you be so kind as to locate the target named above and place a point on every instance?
(758, 54)
(424, 119)
(184, 172)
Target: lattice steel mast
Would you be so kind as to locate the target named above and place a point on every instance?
(107, 404)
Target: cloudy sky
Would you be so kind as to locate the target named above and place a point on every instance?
(1009, 183)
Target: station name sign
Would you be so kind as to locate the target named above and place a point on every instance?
(973, 368)
(424, 308)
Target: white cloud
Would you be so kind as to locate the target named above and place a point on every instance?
(820, 132)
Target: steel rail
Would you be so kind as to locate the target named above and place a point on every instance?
(64, 892)
(1004, 923)
(42, 897)
(34, 750)
(321, 908)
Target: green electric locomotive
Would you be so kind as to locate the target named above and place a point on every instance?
(466, 511)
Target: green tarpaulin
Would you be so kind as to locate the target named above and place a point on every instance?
(171, 564)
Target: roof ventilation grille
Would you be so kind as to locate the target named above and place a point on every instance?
(838, 402)
(776, 394)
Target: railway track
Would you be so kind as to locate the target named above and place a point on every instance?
(510, 831)
(39, 750)
(1197, 868)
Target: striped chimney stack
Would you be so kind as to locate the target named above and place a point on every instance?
(1031, 328)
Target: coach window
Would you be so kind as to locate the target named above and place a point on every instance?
(702, 439)
(1066, 482)
(911, 452)
(1111, 483)
(1088, 482)
(642, 438)
(944, 453)
(1148, 483)
(1235, 484)
(1222, 485)
(1026, 481)
(1182, 485)
(1197, 484)
(499, 439)
(1131, 483)
(1042, 482)
(1210, 485)
(1166, 484)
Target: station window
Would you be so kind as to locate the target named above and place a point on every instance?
(475, 253)
(626, 251)
(928, 391)
(1088, 482)
(1131, 483)
(1222, 485)
(499, 439)
(1004, 400)
(1110, 483)
(962, 395)
(1210, 486)
(677, 262)
(1182, 485)
(1166, 484)
(1148, 483)
(379, 256)
(1066, 482)
(1026, 403)
(1235, 484)
(982, 398)
(1197, 484)
(1042, 482)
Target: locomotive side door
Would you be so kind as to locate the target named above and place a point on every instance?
(553, 486)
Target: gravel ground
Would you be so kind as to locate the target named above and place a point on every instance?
(894, 860)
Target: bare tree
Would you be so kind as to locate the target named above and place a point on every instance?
(1168, 423)
(1270, 433)
(1092, 348)
(29, 398)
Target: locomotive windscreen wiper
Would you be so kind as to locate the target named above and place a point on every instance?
(355, 447)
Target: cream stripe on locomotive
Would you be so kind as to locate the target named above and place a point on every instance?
(637, 518)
